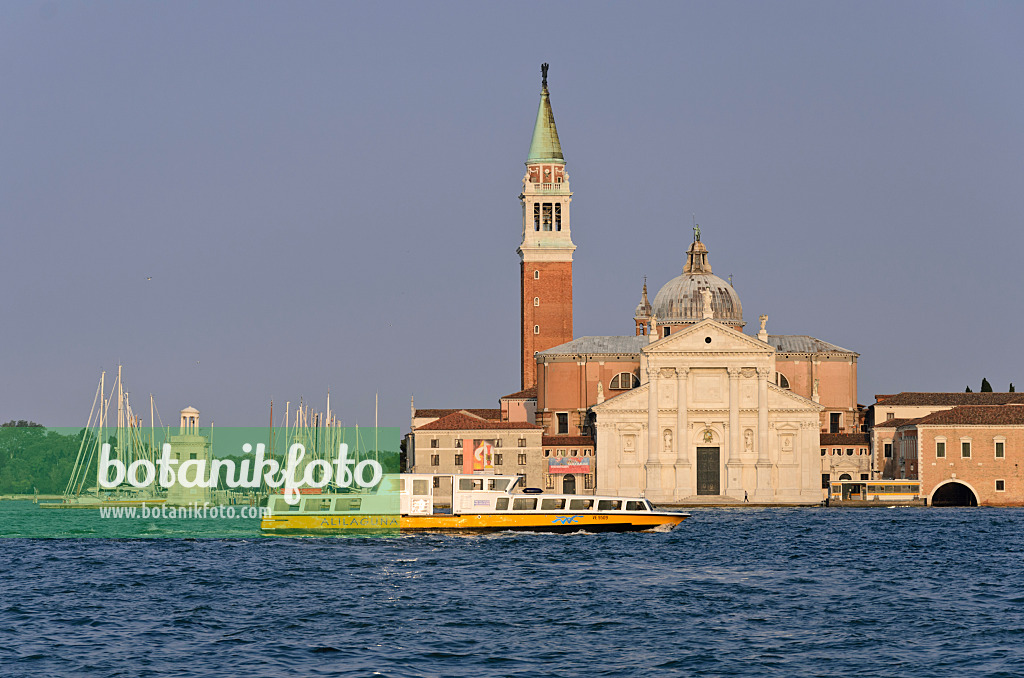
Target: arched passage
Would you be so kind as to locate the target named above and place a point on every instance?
(953, 494)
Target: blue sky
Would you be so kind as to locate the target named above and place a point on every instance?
(325, 194)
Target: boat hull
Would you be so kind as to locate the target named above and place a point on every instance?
(103, 504)
(471, 523)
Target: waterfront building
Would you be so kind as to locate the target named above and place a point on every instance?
(844, 456)
(890, 411)
(967, 455)
(464, 442)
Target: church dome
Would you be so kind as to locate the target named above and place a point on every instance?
(680, 300)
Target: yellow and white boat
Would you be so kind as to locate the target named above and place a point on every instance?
(479, 503)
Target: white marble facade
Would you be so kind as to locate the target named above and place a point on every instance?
(708, 423)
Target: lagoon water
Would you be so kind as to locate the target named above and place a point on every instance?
(731, 592)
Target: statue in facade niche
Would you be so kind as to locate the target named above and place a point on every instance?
(668, 440)
(748, 440)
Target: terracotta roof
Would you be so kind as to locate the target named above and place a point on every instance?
(844, 439)
(459, 421)
(485, 413)
(521, 395)
(895, 423)
(983, 415)
(952, 399)
(552, 441)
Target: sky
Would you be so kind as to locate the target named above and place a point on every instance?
(241, 202)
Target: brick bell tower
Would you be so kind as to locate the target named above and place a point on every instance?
(545, 271)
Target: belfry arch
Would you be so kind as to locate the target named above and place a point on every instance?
(953, 493)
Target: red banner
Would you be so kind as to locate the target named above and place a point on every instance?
(477, 456)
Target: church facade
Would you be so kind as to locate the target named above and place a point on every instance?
(708, 423)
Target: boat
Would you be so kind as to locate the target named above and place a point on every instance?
(479, 503)
(130, 445)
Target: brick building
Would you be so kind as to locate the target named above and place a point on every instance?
(967, 455)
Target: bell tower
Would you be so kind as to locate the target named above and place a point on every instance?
(545, 269)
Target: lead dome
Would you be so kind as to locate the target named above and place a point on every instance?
(680, 300)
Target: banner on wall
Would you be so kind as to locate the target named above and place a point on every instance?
(478, 455)
(569, 465)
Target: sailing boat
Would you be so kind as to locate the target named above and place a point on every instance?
(128, 447)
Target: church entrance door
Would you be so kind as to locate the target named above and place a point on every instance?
(708, 474)
(569, 484)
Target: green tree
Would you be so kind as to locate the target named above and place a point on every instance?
(968, 390)
(1011, 387)
(985, 386)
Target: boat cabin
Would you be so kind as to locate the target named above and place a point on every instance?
(472, 493)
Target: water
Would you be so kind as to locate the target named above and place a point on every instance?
(731, 592)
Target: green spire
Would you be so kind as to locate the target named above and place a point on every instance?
(544, 147)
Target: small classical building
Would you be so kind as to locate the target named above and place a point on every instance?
(967, 455)
(190, 446)
(844, 456)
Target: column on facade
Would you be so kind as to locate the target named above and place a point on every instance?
(764, 488)
(733, 470)
(684, 472)
(653, 438)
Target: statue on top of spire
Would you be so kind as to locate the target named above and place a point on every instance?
(696, 233)
(544, 76)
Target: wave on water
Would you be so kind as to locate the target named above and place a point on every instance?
(776, 592)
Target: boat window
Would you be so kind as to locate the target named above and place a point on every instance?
(524, 504)
(498, 484)
(552, 504)
(281, 505)
(401, 484)
(501, 504)
(421, 487)
(581, 504)
(609, 505)
(393, 485)
(343, 504)
(471, 484)
(636, 506)
(318, 504)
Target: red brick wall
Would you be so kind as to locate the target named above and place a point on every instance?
(982, 469)
(553, 315)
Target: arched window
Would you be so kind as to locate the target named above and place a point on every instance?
(623, 381)
(781, 381)
(845, 476)
(536, 301)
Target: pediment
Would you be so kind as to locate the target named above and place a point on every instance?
(694, 339)
(634, 399)
(784, 399)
